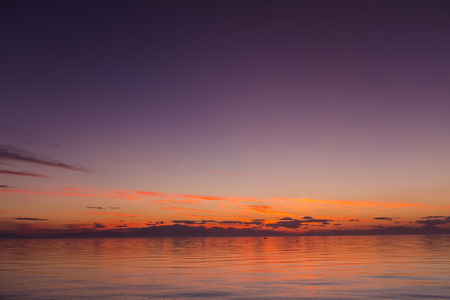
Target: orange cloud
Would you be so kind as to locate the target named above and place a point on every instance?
(170, 201)
(73, 191)
(151, 194)
(202, 197)
(352, 203)
(184, 208)
(110, 214)
(259, 208)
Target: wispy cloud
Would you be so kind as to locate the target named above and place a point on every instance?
(110, 214)
(353, 203)
(259, 208)
(202, 197)
(13, 153)
(150, 194)
(185, 208)
(29, 219)
(20, 173)
(5, 186)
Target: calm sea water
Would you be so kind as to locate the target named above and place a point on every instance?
(350, 267)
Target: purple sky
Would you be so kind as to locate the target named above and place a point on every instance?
(326, 100)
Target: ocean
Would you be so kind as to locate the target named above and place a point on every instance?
(309, 267)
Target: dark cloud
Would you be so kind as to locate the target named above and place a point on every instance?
(312, 220)
(122, 226)
(114, 207)
(433, 220)
(207, 221)
(98, 225)
(29, 219)
(256, 222)
(288, 222)
(19, 173)
(95, 207)
(231, 222)
(13, 153)
(187, 222)
(383, 218)
(156, 223)
(354, 220)
(5, 186)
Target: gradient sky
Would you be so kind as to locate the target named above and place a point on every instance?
(300, 115)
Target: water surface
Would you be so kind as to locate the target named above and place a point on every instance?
(345, 267)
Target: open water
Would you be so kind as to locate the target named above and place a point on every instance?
(340, 267)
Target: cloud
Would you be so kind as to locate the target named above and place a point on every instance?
(187, 222)
(19, 173)
(259, 208)
(29, 219)
(122, 226)
(110, 214)
(172, 201)
(383, 218)
(256, 222)
(98, 225)
(95, 207)
(288, 222)
(150, 194)
(5, 186)
(354, 220)
(354, 203)
(207, 221)
(184, 208)
(154, 223)
(433, 220)
(231, 222)
(13, 153)
(202, 197)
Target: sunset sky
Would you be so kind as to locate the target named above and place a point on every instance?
(285, 115)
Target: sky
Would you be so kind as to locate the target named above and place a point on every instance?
(295, 116)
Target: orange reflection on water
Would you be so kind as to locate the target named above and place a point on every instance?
(351, 267)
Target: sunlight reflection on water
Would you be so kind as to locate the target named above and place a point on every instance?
(351, 267)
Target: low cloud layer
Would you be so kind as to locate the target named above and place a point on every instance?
(288, 222)
(433, 220)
